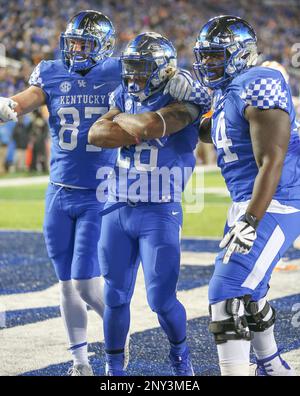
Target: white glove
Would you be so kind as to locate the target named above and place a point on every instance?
(240, 238)
(7, 112)
(180, 86)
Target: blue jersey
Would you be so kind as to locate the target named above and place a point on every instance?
(75, 101)
(155, 170)
(263, 88)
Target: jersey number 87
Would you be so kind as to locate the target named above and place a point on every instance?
(73, 127)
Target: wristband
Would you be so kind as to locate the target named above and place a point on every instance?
(164, 123)
(250, 219)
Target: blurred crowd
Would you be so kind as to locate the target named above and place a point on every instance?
(25, 145)
(30, 29)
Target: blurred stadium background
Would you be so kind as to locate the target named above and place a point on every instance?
(30, 29)
(29, 32)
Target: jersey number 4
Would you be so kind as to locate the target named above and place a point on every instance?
(222, 141)
(73, 127)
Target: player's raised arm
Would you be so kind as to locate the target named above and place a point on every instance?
(22, 103)
(270, 135)
(29, 100)
(25, 101)
(160, 123)
(107, 133)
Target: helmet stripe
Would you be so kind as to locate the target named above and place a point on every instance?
(79, 19)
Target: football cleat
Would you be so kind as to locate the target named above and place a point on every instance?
(265, 368)
(81, 370)
(116, 372)
(115, 365)
(182, 365)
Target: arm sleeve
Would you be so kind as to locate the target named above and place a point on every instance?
(36, 76)
(265, 94)
(116, 100)
(200, 96)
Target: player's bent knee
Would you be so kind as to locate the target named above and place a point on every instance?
(228, 321)
(160, 304)
(259, 318)
(66, 288)
(90, 290)
(114, 297)
(83, 291)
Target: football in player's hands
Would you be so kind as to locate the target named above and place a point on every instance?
(7, 112)
(240, 238)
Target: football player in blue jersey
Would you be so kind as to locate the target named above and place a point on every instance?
(144, 215)
(75, 90)
(254, 132)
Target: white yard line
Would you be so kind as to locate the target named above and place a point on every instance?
(207, 168)
(24, 181)
(29, 181)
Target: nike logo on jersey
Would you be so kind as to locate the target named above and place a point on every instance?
(99, 86)
(150, 103)
(174, 213)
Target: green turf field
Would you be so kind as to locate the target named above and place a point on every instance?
(22, 208)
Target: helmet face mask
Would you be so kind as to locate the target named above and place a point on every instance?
(80, 48)
(234, 40)
(136, 72)
(146, 63)
(210, 65)
(89, 37)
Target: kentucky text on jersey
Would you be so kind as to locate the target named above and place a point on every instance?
(75, 102)
(83, 99)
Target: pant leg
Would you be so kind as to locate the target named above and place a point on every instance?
(59, 232)
(118, 256)
(85, 264)
(250, 273)
(160, 255)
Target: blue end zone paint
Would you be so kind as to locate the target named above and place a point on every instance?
(24, 263)
(149, 349)
(27, 316)
(192, 276)
(25, 267)
(200, 245)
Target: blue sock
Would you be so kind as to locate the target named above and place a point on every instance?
(173, 323)
(179, 349)
(116, 323)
